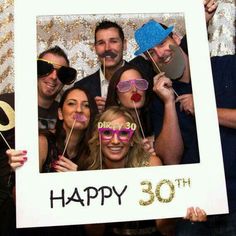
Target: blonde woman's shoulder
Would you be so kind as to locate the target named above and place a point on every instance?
(155, 161)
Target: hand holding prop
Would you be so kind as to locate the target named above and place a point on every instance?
(136, 98)
(157, 68)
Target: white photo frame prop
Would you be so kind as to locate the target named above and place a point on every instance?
(115, 195)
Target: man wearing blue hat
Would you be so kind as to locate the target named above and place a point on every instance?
(163, 52)
(161, 47)
(160, 50)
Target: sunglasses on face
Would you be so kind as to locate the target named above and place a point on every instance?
(125, 86)
(124, 135)
(65, 74)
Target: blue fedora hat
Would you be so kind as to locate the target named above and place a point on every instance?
(149, 35)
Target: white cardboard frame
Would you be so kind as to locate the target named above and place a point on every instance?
(200, 184)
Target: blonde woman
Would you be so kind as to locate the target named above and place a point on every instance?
(117, 143)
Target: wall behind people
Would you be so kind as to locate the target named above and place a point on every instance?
(75, 34)
(80, 30)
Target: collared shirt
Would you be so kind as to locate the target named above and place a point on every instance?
(104, 82)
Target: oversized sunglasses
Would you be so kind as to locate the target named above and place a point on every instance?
(123, 134)
(65, 74)
(125, 86)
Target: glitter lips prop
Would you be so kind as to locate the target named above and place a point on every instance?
(80, 117)
(136, 97)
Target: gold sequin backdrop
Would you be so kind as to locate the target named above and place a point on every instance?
(75, 34)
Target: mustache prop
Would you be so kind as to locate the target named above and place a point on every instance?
(108, 54)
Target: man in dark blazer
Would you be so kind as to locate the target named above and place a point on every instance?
(109, 46)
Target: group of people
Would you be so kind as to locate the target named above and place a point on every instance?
(127, 114)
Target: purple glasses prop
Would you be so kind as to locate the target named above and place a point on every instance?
(125, 86)
(123, 134)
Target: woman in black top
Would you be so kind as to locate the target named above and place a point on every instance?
(76, 113)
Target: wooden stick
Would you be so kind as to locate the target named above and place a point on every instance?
(153, 61)
(176, 94)
(100, 151)
(104, 66)
(137, 115)
(5, 141)
(67, 141)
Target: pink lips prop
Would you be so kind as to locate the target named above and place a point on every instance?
(136, 97)
(80, 117)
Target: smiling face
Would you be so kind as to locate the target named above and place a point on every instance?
(75, 107)
(109, 40)
(170, 58)
(49, 86)
(161, 53)
(126, 98)
(114, 150)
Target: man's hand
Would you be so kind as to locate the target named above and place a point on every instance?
(163, 87)
(196, 214)
(186, 103)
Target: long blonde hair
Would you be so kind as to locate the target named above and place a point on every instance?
(137, 156)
